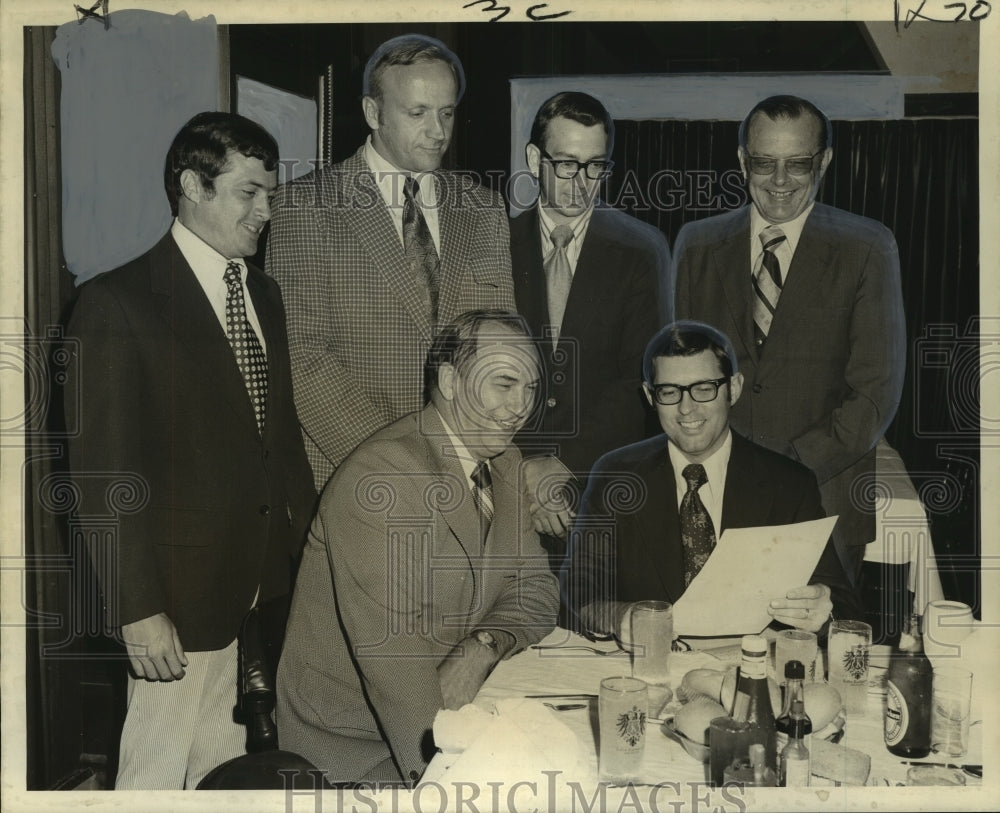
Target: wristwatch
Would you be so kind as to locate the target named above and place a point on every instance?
(485, 637)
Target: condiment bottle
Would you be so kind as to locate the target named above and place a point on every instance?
(908, 696)
(795, 673)
(752, 702)
(794, 765)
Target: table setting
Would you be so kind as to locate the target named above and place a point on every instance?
(537, 725)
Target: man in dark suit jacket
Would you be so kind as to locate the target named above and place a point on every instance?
(365, 274)
(225, 492)
(824, 378)
(428, 590)
(633, 541)
(592, 322)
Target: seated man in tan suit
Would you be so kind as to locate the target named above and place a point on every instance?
(422, 569)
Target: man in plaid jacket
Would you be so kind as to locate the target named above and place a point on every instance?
(362, 294)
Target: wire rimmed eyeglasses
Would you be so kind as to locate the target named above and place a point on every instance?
(567, 168)
(700, 391)
(793, 166)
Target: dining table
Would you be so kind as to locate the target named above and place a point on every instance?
(529, 740)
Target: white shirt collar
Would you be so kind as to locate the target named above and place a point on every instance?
(389, 179)
(465, 457)
(716, 466)
(792, 231)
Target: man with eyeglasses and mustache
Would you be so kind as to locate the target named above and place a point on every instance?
(587, 278)
(812, 299)
(653, 511)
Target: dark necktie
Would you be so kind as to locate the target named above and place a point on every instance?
(558, 278)
(249, 354)
(482, 494)
(767, 283)
(418, 246)
(697, 531)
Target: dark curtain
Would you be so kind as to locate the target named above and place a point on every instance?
(920, 178)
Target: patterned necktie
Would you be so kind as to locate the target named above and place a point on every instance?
(697, 531)
(482, 494)
(558, 278)
(249, 354)
(418, 246)
(767, 283)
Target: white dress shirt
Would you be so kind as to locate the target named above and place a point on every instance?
(210, 269)
(579, 225)
(390, 179)
(713, 491)
(783, 251)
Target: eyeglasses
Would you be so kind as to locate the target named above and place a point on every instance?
(700, 391)
(794, 166)
(566, 168)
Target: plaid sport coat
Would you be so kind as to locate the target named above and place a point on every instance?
(358, 324)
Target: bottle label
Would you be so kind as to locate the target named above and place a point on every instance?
(897, 715)
(797, 773)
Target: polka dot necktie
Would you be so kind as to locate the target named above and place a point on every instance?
(767, 283)
(697, 530)
(246, 347)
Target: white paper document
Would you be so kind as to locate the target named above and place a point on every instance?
(748, 568)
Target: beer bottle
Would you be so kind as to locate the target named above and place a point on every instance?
(908, 697)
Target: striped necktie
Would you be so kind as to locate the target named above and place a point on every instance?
(482, 494)
(767, 283)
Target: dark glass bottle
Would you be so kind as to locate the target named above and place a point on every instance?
(794, 764)
(908, 697)
(794, 676)
(752, 702)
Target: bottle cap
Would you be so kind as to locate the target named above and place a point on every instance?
(754, 645)
(794, 670)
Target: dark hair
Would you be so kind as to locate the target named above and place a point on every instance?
(579, 107)
(409, 49)
(204, 145)
(687, 337)
(788, 107)
(457, 342)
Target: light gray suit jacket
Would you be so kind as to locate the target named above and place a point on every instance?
(829, 380)
(358, 324)
(358, 686)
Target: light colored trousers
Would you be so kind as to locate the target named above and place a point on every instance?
(177, 731)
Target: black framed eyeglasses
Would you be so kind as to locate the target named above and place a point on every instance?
(700, 391)
(567, 168)
(794, 166)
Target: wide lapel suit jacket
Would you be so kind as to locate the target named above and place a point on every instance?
(626, 545)
(398, 529)
(205, 508)
(358, 325)
(830, 377)
(592, 400)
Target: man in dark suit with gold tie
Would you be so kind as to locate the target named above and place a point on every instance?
(184, 384)
(589, 280)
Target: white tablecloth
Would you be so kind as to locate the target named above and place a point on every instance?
(665, 764)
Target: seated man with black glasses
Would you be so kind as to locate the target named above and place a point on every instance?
(652, 511)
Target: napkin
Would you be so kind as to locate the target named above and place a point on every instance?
(511, 745)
